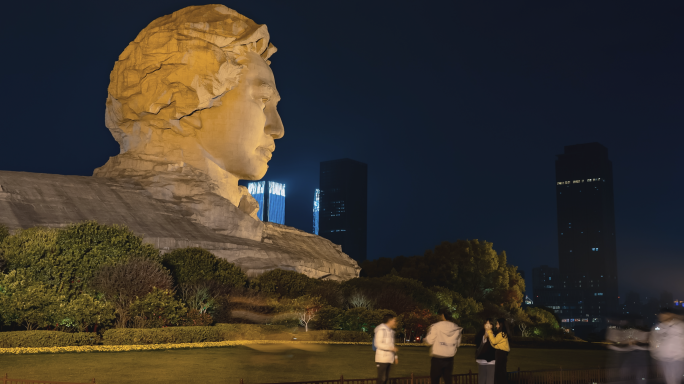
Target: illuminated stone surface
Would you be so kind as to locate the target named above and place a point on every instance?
(192, 103)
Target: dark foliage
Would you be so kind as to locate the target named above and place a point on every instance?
(471, 267)
(124, 283)
(195, 265)
(288, 284)
(393, 292)
(196, 319)
(329, 291)
(135, 278)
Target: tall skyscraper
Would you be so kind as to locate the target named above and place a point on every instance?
(344, 205)
(586, 233)
(271, 198)
(316, 211)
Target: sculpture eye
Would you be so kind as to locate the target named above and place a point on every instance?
(265, 99)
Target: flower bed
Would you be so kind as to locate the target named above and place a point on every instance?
(156, 347)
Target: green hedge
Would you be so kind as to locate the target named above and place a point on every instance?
(37, 339)
(171, 335)
(174, 335)
(221, 332)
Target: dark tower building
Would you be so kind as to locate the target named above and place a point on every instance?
(586, 233)
(344, 205)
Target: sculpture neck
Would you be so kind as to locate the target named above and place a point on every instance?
(226, 182)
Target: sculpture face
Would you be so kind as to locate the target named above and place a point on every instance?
(239, 130)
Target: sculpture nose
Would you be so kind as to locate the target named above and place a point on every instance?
(274, 125)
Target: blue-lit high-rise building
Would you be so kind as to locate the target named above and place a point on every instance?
(271, 198)
(316, 210)
(344, 205)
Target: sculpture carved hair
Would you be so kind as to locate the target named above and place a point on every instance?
(178, 65)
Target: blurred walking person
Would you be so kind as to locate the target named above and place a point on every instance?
(444, 337)
(484, 357)
(385, 351)
(667, 345)
(499, 341)
(629, 343)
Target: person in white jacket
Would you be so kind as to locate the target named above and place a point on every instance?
(444, 337)
(385, 351)
(667, 345)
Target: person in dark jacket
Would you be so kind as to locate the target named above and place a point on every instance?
(501, 348)
(484, 357)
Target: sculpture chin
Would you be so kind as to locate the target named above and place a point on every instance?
(257, 172)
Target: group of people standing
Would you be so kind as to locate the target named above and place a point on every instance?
(632, 345)
(444, 338)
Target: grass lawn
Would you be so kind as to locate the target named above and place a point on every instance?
(229, 365)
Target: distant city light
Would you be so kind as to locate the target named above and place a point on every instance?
(271, 201)
(316, 209)
(256, 189)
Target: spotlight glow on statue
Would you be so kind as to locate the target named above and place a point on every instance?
(194, 93)
(192, 103)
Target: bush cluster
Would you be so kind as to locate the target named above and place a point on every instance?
(92, 277)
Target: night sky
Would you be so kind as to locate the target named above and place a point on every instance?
(457, 108)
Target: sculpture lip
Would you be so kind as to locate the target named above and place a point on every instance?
(266, 152)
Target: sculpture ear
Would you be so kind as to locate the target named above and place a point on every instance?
(189, 122)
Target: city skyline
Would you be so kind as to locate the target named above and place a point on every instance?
(474, 160)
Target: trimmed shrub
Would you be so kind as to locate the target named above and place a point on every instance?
(133, 336)
(157, 309)
(288, 284)
(192, 265)
(362, 319)
(195, 318)
(327, 318)
(220, 332)
(38, 339)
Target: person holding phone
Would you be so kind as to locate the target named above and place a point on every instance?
(501, 348)
(484, 356)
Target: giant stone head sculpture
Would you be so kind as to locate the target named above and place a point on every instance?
(195, 87)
